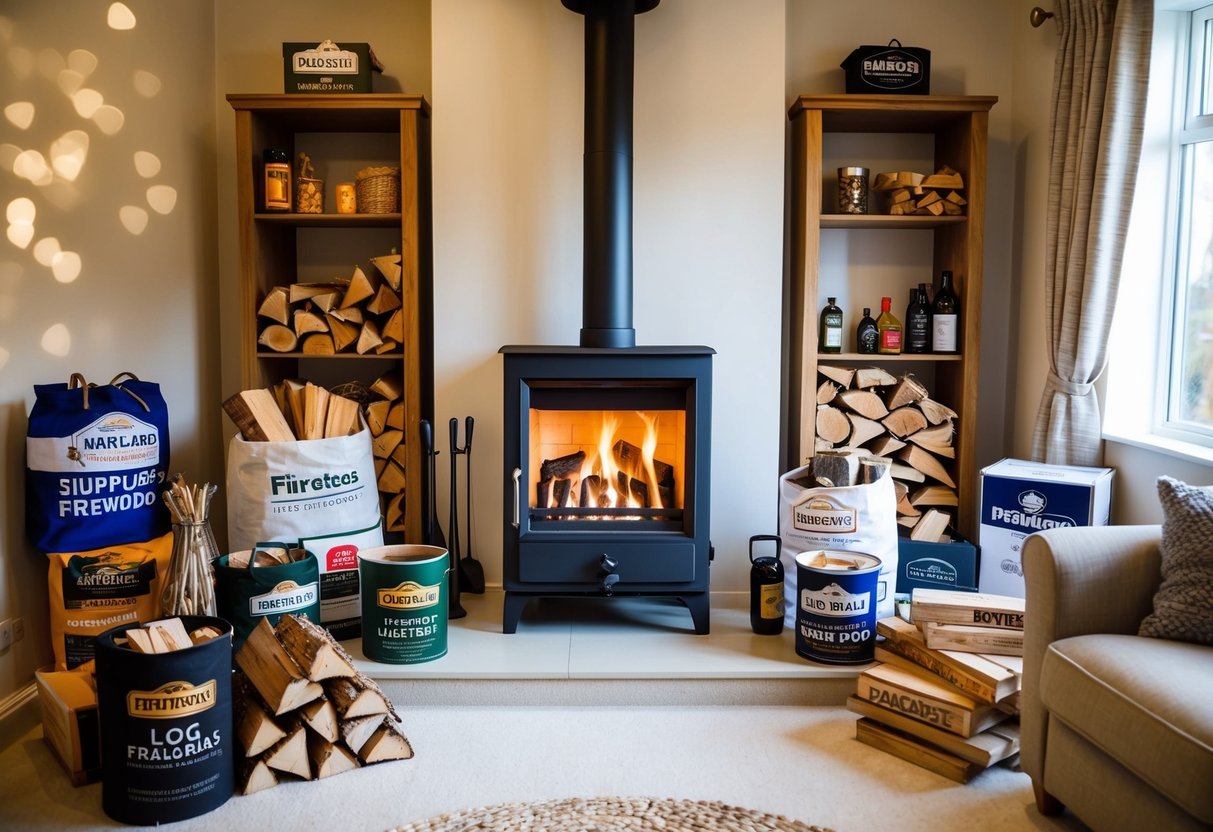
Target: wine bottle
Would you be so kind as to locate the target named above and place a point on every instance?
(918, 324)
(829, 336)
(867, 340)
(888, 329)
(945, 316)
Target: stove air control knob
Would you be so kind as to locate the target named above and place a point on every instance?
(608, 583)
(608, 564)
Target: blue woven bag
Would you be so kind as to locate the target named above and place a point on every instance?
(96, 461)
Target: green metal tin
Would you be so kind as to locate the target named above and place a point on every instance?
(404, 602)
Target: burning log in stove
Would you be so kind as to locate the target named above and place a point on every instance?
(568, 481)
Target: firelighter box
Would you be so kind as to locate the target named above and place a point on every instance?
(328, 67)
(923, 564)
(1019, 498)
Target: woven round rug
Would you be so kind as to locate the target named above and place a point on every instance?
(608, 814)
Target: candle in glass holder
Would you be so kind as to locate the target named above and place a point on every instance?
(347, 202)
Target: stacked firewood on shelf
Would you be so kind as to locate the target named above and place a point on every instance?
(871, 410)
(303, 712)
(915, 193)
(362, 314)
(294, 409)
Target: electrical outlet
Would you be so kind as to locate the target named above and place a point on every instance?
(18, 629)
(6, 634)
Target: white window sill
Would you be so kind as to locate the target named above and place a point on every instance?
(1179, 449)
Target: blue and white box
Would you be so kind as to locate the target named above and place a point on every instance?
(1018, 498)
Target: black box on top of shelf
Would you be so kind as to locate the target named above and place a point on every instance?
(328, 67)
(895, 69)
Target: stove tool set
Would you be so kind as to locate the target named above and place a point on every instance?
(467, 573)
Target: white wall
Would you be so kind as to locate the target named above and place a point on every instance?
(141, 302)
(709, 120)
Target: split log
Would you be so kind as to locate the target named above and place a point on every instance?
(931, 527)
(289, 754)
(315, 411)
(906, 391)
(385, 301)
(299, 292)
(276, 305)
(392, 480)
(305, 321)
(256, 776)
(935, 412)
(368, 338)
(394, 513)
(631, 458)
(376, 415)
(328, 758)
(839, 375)
(901, 471)
(826, 391)
(318, 343)
(904, 506)
(593, 492)
(904, 421)
(389, 266)
(327, 301)
(840, 468)
(934, 495)
(871, 469)
(395, 416)
(355, 732)
(255, 729)
(343, 332)
(937, 440)
(385, 744)
(386, 442)
(863, 402)
(866, 377)
(944, 178)
(832, 424)
(386, 346)
(357, 696)
(309, 646)
(278, 338)
(884, 445)
(273, 673)
(561, 489)
(388, 386)
(360, 288)
(924, 461)
(257, 416)
(349, 314)
(561, 467)
(321, 717)
(863, 429)
(343, 418)
(393, 329)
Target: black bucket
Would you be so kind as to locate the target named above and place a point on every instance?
(166, 727)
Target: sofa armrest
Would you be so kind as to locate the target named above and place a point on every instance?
(1079, 580)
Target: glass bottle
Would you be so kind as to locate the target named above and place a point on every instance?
(277, 179)
(866, 338)
(888, 329)
(945, 316)
(829, 336)
(918, 324)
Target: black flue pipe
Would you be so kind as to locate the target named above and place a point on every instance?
(606, 300)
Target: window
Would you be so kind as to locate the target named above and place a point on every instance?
(1159, 389)
(1190, 391)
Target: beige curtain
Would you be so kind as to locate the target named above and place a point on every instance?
(1099, 99)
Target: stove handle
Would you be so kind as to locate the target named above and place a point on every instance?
(517, 499)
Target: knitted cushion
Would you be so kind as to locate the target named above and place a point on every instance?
(1183, 605)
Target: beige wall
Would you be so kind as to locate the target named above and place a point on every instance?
(143, 303)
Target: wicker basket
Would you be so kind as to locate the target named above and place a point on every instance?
(378, 190)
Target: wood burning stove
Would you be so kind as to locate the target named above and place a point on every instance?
(607, 444)
(608, 471)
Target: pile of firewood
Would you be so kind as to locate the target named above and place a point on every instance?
(871, 410)
(362, 314)
(303, 712)
(296, 409)
(914, 193)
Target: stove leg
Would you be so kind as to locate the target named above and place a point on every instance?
(514, 604)
(700, 608)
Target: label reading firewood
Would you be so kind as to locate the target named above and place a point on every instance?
(287, 596)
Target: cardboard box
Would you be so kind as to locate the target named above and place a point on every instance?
(1019, 498)
(328, 67)
(892, 69)
(70, 724)
(923, 564)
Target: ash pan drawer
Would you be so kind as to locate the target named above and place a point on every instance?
(639, 563)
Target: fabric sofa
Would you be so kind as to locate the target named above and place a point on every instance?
(1116, 727)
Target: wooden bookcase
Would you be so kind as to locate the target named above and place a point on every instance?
(954, 131)
(342, 133)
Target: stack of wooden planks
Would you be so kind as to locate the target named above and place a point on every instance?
(912, 193)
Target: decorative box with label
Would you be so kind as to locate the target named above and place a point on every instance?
(328, 67)
(1018, 498)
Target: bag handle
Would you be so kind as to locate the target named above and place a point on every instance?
(896, 41)
(78, 380)
(123, 375)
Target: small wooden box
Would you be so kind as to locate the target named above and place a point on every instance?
(328, 67)
(70, 723)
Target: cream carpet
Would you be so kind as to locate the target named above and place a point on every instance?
(803, 763)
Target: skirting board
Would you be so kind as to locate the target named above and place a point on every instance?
(19, 713)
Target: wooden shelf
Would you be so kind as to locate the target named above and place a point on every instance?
(957, 126)
(272, 245)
